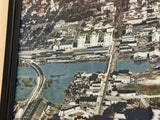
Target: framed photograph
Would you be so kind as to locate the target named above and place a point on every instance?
(82, 60)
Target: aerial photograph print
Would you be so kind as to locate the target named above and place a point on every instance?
(88, 60)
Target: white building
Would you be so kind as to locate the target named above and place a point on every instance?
(133, 4)
(54, 6)
(141, 56)
(94, 39)
(155, 53)
(123, 78)
(108, 39)
(66, 46)
(118, 116)
(129, 29)
(19, 114)
(155, 36)
(135, 21)
(81, 41)
(109, 6)
(128, 38)
(156, 114)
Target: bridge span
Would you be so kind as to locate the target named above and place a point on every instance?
(27, 110)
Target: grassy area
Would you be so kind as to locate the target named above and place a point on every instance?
(149, 75)
(143, 89)
(26, 81)
(40, 109)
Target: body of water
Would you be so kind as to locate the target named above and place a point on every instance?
(55, 92)
(61, 75)
(133, 67)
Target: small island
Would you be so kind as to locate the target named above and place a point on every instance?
(27, 81)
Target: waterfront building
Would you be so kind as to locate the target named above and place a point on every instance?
(123, 79)
(94, 37)
(108, 39)
(81, 41)
(141, 56)
(68, 45)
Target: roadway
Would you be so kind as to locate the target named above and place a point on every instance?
(33, 97)
(110, 55)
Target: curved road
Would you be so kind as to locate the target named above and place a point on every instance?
(33, 97)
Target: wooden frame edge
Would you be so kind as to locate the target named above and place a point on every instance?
(10, 60)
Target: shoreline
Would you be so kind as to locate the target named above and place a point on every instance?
(66, 61)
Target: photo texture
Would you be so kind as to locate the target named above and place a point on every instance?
(88, 60)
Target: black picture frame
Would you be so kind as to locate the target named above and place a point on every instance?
(10, 60)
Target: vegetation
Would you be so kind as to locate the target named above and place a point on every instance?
(144, 89)
(149, 75)
(26, 81)
(47, 83)
(120, 31)
(40, 109)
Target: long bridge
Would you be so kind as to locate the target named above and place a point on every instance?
(27, 110)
